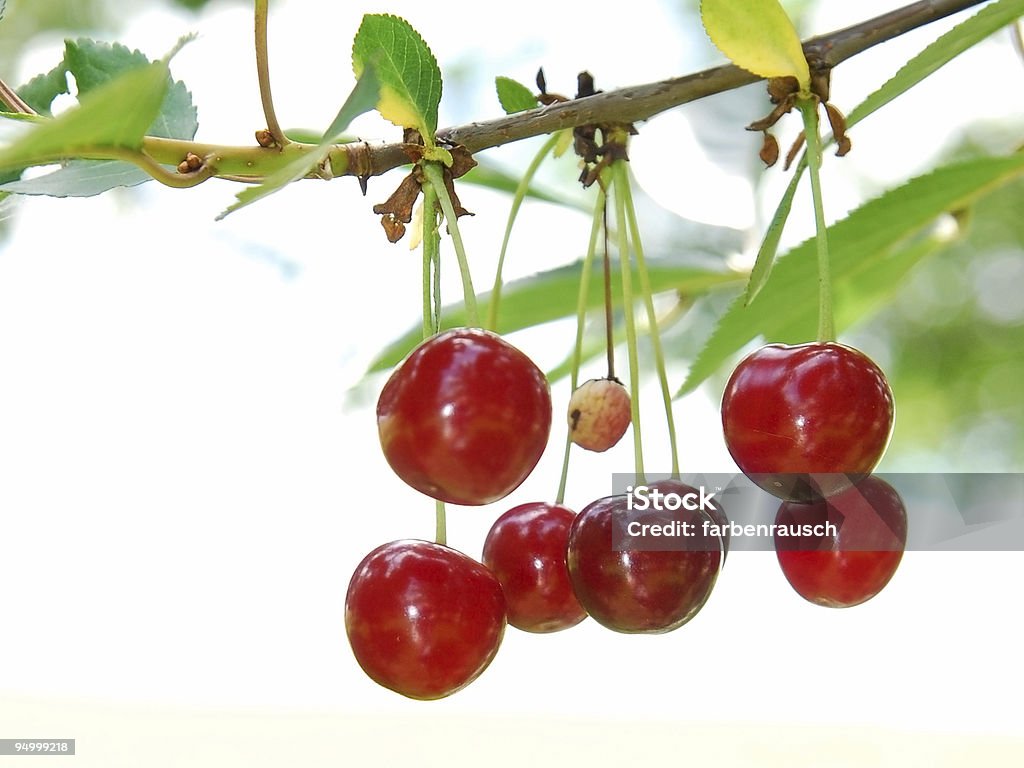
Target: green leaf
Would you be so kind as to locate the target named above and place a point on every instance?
(114, 115)
(514, 96)
(770, 245)
(552, 295)
(94, 64)
(80, 178)
(41, 90)
(938, 53)
(865, 256)
(947, 47)
(758, 36)
(410, 81)
(362, 99)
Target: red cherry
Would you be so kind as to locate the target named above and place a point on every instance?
(525, 550)
(804, 422)
(854, 564)
(465, 418)
(422, 619)
(634, 590)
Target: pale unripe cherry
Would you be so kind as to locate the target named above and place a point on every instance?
(598, 414)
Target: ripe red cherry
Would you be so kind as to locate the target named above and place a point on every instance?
(422, 619)
(525, 550)
(804, 422)
(640, 590)
(853, 565)
(465, 418)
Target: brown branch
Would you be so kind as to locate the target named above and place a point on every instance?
(637, 103)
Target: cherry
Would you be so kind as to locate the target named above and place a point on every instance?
(806, 421)
(422, 619)
(465, 418)
(599, 414)
(525, 550)
(641, 590)
(853, 563)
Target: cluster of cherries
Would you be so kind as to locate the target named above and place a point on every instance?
(465, 418)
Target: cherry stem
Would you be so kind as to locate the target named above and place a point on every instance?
(826, 321)
(609, 328)
(623, 188)
(441, 531)
(517, 201)
(431, 244)
(263, 73)
(431, 252)
(631, 338)
(599, 222)
(432, 171)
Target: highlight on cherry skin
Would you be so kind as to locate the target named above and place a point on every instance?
(641, 591)
(525, 549)
(805, 422)
(599, 414)
(465, 417)
(423, 619)
(857, 557)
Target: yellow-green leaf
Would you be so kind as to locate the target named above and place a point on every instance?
(410, 80)
(758, 36)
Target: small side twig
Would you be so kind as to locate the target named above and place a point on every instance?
(263, 73)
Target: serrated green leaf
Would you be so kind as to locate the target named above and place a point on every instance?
(3, 8)
(94, 63)
(552, 295)
(410, 80)
(114, 115)
(936, 55)
(758, 36)
(363, 98)
(862, 246)
(514, 96)
(950, 45)
(41, 90)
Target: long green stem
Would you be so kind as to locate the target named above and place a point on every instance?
(521, 189)
(631, 338)
(826, 321)
(622, 187)
(431, 245)
(581, 317)
(263, 73)
(434, 176)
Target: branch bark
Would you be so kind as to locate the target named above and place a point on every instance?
(638, 103)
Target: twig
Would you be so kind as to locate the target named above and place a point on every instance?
(263, 73)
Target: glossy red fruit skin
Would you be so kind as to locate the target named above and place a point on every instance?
(634, 591)
(465, 418)
(806, 421)
(423, 620)
(716, 512)
(525, 550)
(854, 566)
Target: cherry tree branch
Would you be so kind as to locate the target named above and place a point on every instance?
(637, 103)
